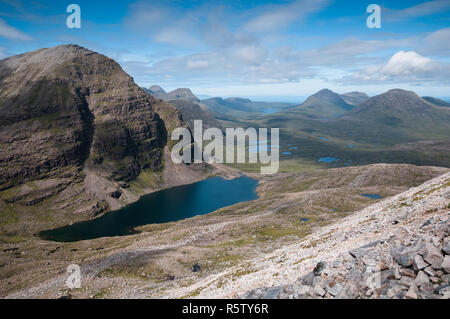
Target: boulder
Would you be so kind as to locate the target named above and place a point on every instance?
(446, 248)
(421, 279)
(319, 268)
(335, 289)
(411, 294)
(418, 263)
(446, 264)
(362, 251)
(273, 293)
(433, 256)
(308, 279)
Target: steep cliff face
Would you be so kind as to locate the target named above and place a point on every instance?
(68, 114)
(60, 106)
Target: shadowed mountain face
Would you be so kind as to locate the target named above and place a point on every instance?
(436, 101)
(324, 104)
(66, 105)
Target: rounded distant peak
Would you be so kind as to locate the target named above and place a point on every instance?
(400, 91)
(182, 94)
(156, 89)
(325, 93)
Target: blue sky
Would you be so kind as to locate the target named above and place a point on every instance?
(266, 50)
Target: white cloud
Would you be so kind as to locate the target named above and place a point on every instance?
(283, 15)
(407, 63)
(12, 33)
(403, 66)
(251, 54)
(437, 42)
(420, 10)
(161, 23)
(197, 64)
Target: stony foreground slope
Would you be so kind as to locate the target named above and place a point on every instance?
(267, 242)
(397, 248)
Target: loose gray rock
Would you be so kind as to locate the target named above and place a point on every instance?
(308, 279)
(446, 248)
(273, 293)
(421, 279)
(418, 263)
(446, 264)
(335, 289)
(433, 256)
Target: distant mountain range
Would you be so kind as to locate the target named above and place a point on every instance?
(397, 116)
(436, 101)
(393, 117)
(241, 107)
(188, 104)
(178, 94)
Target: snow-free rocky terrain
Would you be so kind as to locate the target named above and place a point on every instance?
(397, 248)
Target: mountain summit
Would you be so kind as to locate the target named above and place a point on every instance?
(324, 104)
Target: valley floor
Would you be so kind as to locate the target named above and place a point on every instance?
(299, 220)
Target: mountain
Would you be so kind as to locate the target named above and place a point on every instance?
(397, 116)
(323, 104)
(394, 127)
(73, 123)
(354, 98)
(436, 101)
(188, 105)
(178, 94)
(399, 107)
(182, 94)
(156, 91)
(192, 111)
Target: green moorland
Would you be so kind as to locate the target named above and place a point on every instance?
(355, 138)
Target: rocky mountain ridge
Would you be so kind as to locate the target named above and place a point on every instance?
(74, 124)
(177, 94)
